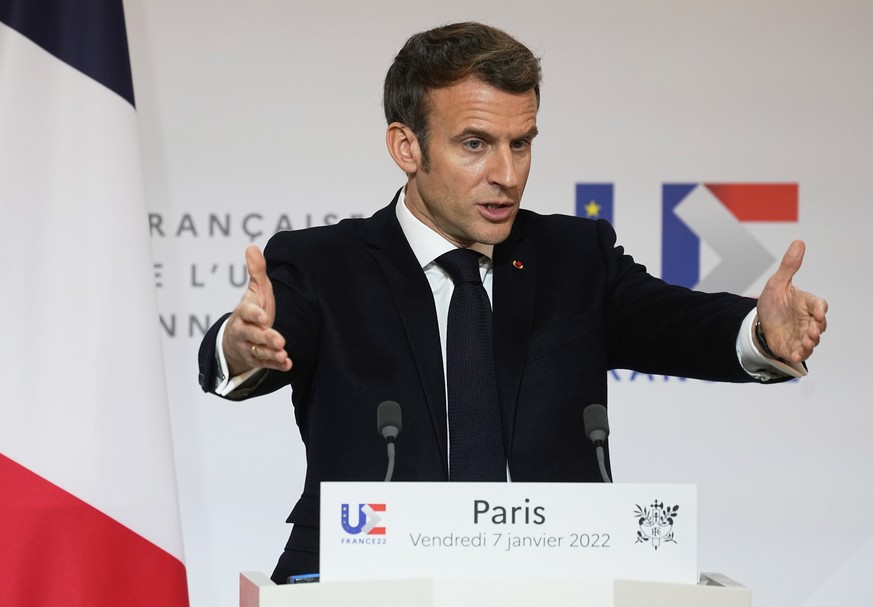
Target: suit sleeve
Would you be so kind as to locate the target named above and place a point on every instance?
(663, 329)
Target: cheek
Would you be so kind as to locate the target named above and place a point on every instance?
(460, 183)
(463, 165)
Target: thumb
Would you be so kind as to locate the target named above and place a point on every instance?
(790, 262)
(256, 266)
(260, 288)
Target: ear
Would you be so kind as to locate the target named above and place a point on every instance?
(403, 147)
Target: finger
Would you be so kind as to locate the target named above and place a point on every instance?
(820, 310)
(807, 346)
(256, 266)
(267, 358)
(245, 335)
(809, 341)
(814, 331)
(813, 336)
(247, 346)
(250, 312)
(791, 262)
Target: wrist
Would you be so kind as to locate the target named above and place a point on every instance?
(761, 342)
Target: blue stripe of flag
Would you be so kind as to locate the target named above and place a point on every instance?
(88, 35)
(594, 200)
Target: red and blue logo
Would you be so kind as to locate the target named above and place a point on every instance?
(707, 217)
(718, 215)
(368, 520)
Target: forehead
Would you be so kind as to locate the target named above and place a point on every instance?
(474, 104)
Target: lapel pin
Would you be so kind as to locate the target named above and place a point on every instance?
(517, 265)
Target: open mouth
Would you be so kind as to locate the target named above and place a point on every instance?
(496, 211)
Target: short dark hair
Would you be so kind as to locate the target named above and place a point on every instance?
(446, 55)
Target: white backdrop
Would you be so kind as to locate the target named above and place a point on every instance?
(266, 113)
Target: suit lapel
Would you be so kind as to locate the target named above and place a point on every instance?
(414, 300)
(515, 275)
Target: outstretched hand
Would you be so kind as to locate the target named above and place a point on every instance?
(250, 341)
(792, 320)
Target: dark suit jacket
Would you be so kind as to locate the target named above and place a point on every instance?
(359, 319)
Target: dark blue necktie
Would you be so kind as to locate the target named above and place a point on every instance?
(475, 440)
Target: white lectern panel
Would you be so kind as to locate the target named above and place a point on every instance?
(372, 531)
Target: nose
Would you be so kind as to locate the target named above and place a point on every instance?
(503, 171)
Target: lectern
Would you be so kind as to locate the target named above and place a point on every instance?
(714, 590)
(504, 545)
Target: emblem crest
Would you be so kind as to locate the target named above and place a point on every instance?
(655, 523)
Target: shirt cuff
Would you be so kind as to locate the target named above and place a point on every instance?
(224, 384)
(755, 362)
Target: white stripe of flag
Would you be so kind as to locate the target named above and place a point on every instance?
(89, 509)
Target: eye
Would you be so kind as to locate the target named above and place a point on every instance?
(520, 144)
(473, 144)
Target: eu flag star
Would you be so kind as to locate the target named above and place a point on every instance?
(594, 200)
(592, 209)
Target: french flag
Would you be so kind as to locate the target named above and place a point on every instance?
(88, 501)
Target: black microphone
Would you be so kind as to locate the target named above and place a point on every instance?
(389, 423)
(597, 429)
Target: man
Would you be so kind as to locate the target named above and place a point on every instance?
(357, 313)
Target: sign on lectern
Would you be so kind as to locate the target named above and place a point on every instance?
(379, 531)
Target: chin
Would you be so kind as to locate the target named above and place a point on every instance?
(493, 238)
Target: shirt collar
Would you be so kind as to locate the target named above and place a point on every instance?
(425, 242)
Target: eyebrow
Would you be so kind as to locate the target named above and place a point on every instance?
(486, 136)
(533, 132)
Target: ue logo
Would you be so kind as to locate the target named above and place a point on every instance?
(714, 214)
(367, 520)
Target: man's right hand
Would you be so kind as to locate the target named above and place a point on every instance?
(250, 342)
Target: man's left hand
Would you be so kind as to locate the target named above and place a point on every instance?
(792, 320)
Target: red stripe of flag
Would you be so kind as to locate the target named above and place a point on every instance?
(82, 557)
(758, 201)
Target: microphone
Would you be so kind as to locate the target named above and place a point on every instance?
(597, 429)
(389, 423)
